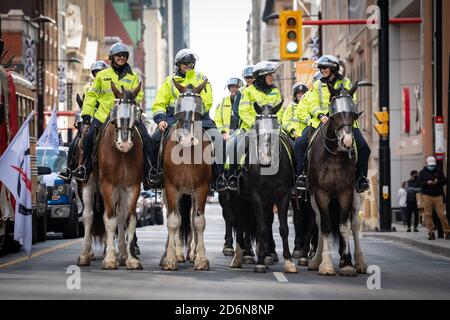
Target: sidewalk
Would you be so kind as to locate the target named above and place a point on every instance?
(415, 239)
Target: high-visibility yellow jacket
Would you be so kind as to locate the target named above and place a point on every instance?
(222, 115)
(296, 117)
(318, 100)
(168, 93)
(247, 112)
(102, 94)
(86, 88)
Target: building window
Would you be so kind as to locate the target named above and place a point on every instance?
(356, 10)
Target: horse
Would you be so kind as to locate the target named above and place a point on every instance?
(187, 168)
(331, 176)
(267, 182)
(119, 177)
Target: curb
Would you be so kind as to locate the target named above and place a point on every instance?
(423, 246)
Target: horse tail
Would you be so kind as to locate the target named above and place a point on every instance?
(98, 225)
(185, 204)
(334, 213)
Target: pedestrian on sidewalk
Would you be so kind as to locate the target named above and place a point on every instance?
(401, 196)
(411, 201)
(432, 180)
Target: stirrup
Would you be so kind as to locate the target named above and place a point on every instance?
(301, 183)
(233, 183)
(224, 186)
(362, 184)
(65, 175)
(81, 173)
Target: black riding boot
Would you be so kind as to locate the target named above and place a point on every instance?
(83, 171)
(155, 175)
(362, 183)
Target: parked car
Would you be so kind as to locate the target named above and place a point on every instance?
(149, 209)
(62, 210)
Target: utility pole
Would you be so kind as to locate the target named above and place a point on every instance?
(384, 161)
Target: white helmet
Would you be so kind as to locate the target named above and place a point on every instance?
(185, 55)
(328, 61)
(234, 82)
(247, 72)
(264, 67)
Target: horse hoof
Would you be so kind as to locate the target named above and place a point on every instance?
(169, 265)
(269, 261)
(201, 264)
(191, 258)
(236, 263)
(228, 252)
(314, 264)
(83, 261)
(260, 268)
(303, 262)
(326, 270)
(361, 268)
(248, 260)
(347, 271)
(296, 254)
(110, 264)
(92, 256)
(133, 264)
(123, 261)
(289, 267)
(181, 259)
(275, 257)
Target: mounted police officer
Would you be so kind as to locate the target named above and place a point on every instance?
(163, 112)
(101, 93)
(318, 102)
(96, 67)
(296, 117)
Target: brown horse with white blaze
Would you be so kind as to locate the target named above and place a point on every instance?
(120, 166)
(186, 181)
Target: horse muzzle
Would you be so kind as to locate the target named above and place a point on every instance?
(346, 142)
(124, 146)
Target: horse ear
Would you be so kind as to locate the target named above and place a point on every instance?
(353, 89)
(116, 92)
(180, 88)
(359, 114)
(257, 107)
(79, 101)
(277, 107)
(137, 89)
(201, 87)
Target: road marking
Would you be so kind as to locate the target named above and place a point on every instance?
(280, 277)
(41, 252)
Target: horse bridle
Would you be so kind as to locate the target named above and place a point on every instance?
(336, 130)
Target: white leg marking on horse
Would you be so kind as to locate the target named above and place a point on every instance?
(173, 224)
(201, 262)
(326, 267)
(88, 216)
(110, 261)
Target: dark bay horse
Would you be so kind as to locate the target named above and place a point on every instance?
(332, 173)
(187, 168)
(119, 178)
(267, 182)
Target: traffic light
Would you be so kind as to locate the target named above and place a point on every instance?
(383, 127)
(290, 35)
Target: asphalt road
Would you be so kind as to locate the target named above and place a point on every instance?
(405, 273)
